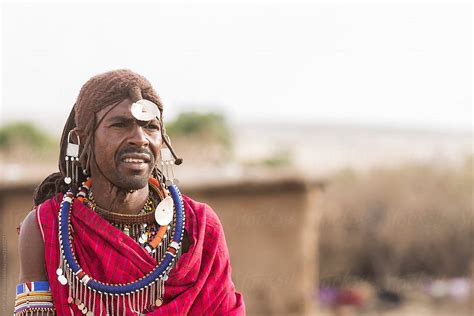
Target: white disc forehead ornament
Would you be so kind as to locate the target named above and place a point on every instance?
(144, 110)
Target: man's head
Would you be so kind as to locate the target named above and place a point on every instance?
(115, 146)
(125, 158)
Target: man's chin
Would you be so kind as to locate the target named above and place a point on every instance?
(132, 183)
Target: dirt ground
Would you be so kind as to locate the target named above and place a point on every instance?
(409, 309)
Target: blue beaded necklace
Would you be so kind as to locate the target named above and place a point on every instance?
(142, 293)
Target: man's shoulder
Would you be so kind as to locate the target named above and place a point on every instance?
(29, 223)
(42, 212)
(31, 249)
(51, 204)
(202, 211)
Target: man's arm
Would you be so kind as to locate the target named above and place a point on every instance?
(31, 248)
(32, 264)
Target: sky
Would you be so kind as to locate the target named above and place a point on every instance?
(399, 64)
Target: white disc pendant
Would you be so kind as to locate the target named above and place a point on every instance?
(62, 279)
(164, 211)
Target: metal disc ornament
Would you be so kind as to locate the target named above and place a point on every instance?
(164, 211)
(62, 279)
(144, 110)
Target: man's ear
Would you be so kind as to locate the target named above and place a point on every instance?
(78, 134)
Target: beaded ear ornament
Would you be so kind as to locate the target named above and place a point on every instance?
(93, 297)
(72, 159)
(167, 161)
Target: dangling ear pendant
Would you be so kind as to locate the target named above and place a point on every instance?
(167, 161)
(72, 159)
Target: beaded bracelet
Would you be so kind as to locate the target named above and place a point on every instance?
(34, 297)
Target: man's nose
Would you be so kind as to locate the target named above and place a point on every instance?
(138, 136)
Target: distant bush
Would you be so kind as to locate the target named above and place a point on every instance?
(201, 138)
(410, 220)
(280, 158)
(209, 127)
(23, 134)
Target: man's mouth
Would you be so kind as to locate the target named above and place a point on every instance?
(136, 160)
(133, 160)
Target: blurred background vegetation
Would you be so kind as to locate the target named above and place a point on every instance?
(412, 219)
(398, 239)
(207, 127)
(19, 136)
(26, 151)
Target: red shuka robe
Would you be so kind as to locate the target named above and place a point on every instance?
(200, 283)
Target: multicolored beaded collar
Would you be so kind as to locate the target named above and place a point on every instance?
(140, 295)
(146, 215)
(133, 225)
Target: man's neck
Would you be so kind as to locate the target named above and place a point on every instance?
(117, 200)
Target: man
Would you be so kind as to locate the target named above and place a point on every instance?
(110, 233)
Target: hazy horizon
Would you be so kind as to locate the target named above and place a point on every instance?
(393, 64)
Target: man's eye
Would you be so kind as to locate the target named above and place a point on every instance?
(118, 124)
(153, 126)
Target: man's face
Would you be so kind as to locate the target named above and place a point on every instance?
(125, 149)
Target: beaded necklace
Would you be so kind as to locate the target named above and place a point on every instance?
(132, 225)
(140, 295)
